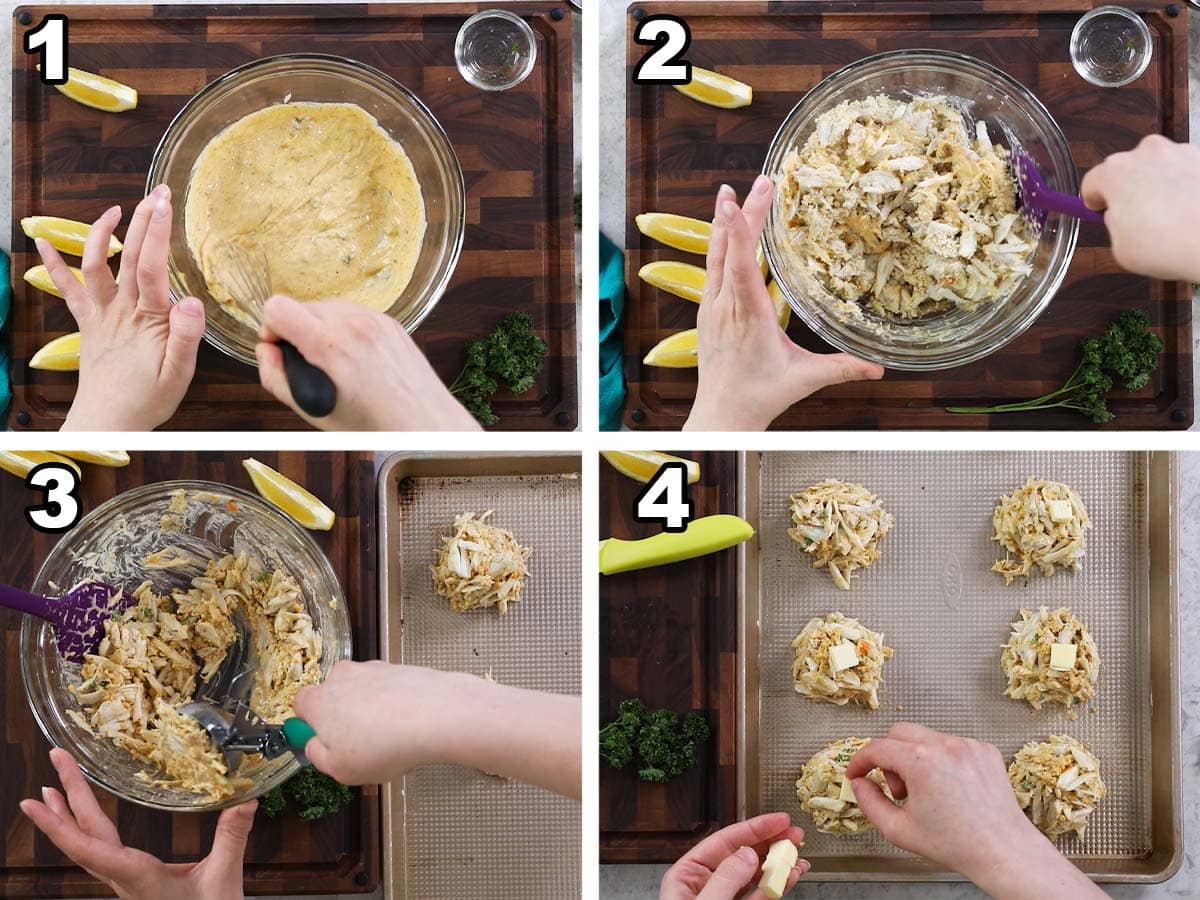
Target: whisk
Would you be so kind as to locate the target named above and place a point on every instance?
(313, 390)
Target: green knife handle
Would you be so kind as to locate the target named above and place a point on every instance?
(298, 733)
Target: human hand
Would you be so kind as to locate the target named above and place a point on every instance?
(725, 864)
(384, 382)
(750, 371)
(1151, 201)
(137, 352)
(959, 810)
(79, 828)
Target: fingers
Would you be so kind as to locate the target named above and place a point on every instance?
(714, 260)
(153, 293)
(284, 318)
(229, 840)
(820, 370)
(318, 754)
(730, 878)
(1095, 185)
(741, 264)
(92, 854)
(135, 234)
(883, 753)
(717, 847)
(84, 807)
(914, 733)
(96, 274)
(757, 207)
(57, 802)
(883, 813)
(68, 285)
(186, 323)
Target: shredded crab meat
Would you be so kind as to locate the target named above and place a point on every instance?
(1026, 659)
(897, 207)
(1057, 783)
(813, 674)
(819, 788)
(480, 565)
(1033, 536)
(156, 653)
(840, 525)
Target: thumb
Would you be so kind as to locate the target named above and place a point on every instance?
(1094, 187)
(885, 815)
(185, 329)
(229, 840)
(730, 878)
(272, 374)
(287, 319)
(318, 754)
(820, 370)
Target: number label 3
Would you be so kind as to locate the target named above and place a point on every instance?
(60, 508)
(665, 501)
(670, 38)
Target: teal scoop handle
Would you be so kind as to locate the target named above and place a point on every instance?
(298, 733)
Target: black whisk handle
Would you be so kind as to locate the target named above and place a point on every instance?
(313, 390)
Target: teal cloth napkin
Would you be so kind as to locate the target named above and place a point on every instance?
(612, 351)
(5, 301)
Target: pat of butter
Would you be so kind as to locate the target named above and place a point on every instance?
(1060, 510)
(842, 656)
(847, 792)
(1062, 657)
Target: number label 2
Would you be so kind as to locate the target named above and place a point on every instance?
(670, 37)
(60, 508)
(665, 500)
(49, 41)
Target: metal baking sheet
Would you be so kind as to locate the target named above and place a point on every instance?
(946, 615)
(448, 829)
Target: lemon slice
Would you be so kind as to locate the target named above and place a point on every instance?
(783, 309)
(39, 278)
(64, 235)
(641, 465)
(114, 459)
(22, 462)
(97, 91)
(716, 90)
(60, 355)
(679, 351)
(681, 232)
(289, 496)
(678, 278)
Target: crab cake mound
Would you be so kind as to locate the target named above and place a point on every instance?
(840, 525)
(1050, 658)
(1042, 524)
(1057, 783)
(480, 565)
(839, 660)
(827, 796)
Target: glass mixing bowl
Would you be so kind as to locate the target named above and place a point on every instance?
(1015, 119)
(315, 78)
(110, 544)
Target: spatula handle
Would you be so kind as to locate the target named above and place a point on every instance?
(23, 601)
(313, 390)
(1070, 206)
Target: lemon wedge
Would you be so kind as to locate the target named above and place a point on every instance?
(60, 355)
(716, 90)
(64, 235)
(681, 232)
(641, 465)
(97, 91)
(114, 459)
(39, 278)
(678, 278)
(22, 462)
(783, 309)
(679, 351)
(289, 496)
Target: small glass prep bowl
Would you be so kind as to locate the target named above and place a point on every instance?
(314, 78)
(110, 544)
(1016, 119)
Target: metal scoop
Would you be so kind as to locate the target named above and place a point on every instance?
(1038, 199)
(313, 390)
(78, 616)
(241, 731)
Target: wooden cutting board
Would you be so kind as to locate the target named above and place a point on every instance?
(669, 636)
(680, 151)
(340, 854)
(515, 149)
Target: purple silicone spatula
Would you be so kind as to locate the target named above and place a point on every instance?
(77, 616)
(1038, 198)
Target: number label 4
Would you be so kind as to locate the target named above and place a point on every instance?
(665, 500)
(670, 37)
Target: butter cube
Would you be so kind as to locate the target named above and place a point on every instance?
(847, 792)
(1060, 510)
(843, 656)
(1062, 657)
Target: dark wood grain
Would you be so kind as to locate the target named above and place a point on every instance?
(515, 149)
(680, 151)
(340, 854)
(669, 636)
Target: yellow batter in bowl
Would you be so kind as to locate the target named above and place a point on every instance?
(321, 192)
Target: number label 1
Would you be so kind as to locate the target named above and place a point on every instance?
(60, 508)
(670, 38)
(665, 500)
(49, 41)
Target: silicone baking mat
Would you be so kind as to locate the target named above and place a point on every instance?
(456, 830)
(947, 615)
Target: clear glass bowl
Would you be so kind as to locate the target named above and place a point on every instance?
(109, 544)
(315, 78)
(1016, 119)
